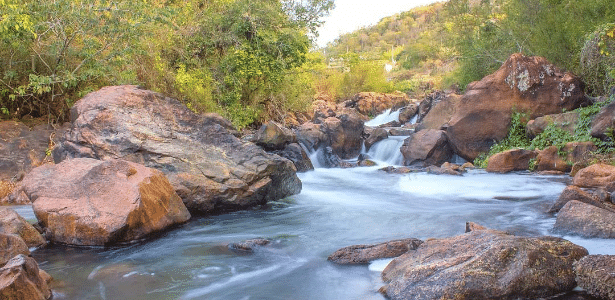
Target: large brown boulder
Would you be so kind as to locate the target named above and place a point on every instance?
(484, 264)
(12, 223)
(20, 279)
(441, 112)
(345, 133)
(209, 167)
(554, 159)
(425, 148)
(22, 148)
(408, 112)
(596, 175)
(596, 275)
(372, 104)
(604, 122)
(274, 136)
(363, 254)
(525, 84)
(85, 201)
(10, 246)
(375, 136)
(565, 121)
(295, 153)
(575, 193)
(510, 160)
(586, 220)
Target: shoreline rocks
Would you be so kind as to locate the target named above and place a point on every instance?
(596, 275)
(586, 220)
(363, 254)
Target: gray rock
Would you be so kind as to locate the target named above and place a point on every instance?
(586, 220)
(363, 254)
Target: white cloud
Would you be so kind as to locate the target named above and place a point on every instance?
(350, 15)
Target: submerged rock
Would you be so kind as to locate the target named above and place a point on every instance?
(586, 220)
(363, 254)
(248, 245)
(210, 168)
(12, 223)
(596, 275)
(20, 279)
(526, 84)
(85, 201)
(484, 264)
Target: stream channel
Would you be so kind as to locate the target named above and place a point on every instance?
(336, 208)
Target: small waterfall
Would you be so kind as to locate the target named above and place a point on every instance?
(388, 151)
(383, 118)
(414, 119)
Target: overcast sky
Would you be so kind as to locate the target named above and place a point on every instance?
(350, 15)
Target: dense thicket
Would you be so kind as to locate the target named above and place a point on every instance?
(239, 58)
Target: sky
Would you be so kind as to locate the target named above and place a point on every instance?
(350, 15)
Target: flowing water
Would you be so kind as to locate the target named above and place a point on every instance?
(336, 208)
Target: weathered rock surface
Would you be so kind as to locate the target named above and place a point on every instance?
(248, 246)
(345, 133)
(572, 192)
(274, 136)
(484, 264)
(550, 159)
(408, 112)
(375, 136)
(426, 147)
(363, 254)
(311, 136)
(596, 175)
(20, 279)
(441, 112)
(295, 153)
(586, 220)
(21, 149)
(604, 122)
(210, 168)
(596, 275)
(12, 223)
(372, 104)
(91, 202)
(565, 121)
(10, 246)
(527, 84)
(510, 160)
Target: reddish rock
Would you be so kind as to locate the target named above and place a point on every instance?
(572, 192)
(399, 131)
(20, 279)
(604, 122)
(550, 160)
(510, 160)
(471, 226)
(12, 223)
(586, 220)
(372, 104)
(344, 133)
(526, 84)
(311, 135)
(10, 246)
(209, 167)
(484, 264)
(90, 202)
(274, 136)
(363, 254)
(408, 112)
(425, 148)
(375, 136)
(596, 275)
(565, 121)
(597, 175)
(441, 112)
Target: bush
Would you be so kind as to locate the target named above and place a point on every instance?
(597, 63)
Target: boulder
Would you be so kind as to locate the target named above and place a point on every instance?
(274, 136)
(85, 201)
(426, 147)
(565, 121)
(248, 246)
(510, 160)
(363, 254)
(327, 159)
(596, 175)
(376, 135)
(209, 167)
(526, 84)
(552, 159)
(398, 131)
(408, 112)
(572, 192)
(484, 264)
(311, 136)
(604, 122)
(12, 223)
(441, 112)
(295, 153)
(20, 279)
(10, 246)
(596, 275)
(586, 220)
(6, 188)
(22, 148)
(372, 104)
(427, 103)
(344, 133)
